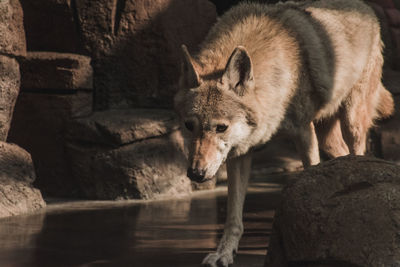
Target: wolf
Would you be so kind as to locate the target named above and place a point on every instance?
(308, 70)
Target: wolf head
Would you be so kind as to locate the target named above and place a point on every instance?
(215, 121)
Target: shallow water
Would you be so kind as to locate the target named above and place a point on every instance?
(159, 233)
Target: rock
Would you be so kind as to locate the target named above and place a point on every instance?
(55, 71)
(9, 89)
(135, 46)
(12, 34)
(50, 26)
(150, 169)
(39, 125)
(16, 177)
(343, 212)
(56, 88)
(129, 154)
(119, 127)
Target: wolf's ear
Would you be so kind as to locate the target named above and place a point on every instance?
(239, 72)
(189, 76)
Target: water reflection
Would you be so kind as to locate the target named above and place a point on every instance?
(19, 234)
(162, 233)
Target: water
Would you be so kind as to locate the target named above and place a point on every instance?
(159, 233)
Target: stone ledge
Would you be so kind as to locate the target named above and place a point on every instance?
(55, 71)
(120, 127)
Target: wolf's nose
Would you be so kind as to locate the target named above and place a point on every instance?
(196, 175)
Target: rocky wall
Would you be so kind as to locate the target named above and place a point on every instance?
(134, 45)
(17, 174)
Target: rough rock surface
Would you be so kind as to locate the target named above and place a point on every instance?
(17, 196)
(344, 212)
(149, 169)
(119, 127)
(55, 71)
(9, 89)
(135, 46)
(12, 34)
(141, 149)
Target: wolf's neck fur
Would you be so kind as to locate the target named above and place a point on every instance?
(275, 71)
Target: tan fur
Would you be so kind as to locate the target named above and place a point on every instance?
(266, 70)
(385, 103)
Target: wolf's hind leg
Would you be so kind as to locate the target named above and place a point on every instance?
(238, 176)
(355, 123)
(367, 100)
(307, 145)
(330, 137)
(360, 108)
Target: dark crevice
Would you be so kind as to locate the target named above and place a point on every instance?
(17, 57)
(119, 8)
(77, 24)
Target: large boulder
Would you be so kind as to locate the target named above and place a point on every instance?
(150, 169)
(128, 154)
(12, 34)
(16, 177)
(344, 212)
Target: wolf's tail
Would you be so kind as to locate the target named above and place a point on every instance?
(386, 104)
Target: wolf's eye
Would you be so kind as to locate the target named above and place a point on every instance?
(221, 128)
(189, 125)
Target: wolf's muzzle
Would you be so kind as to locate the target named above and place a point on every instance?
(196, 175)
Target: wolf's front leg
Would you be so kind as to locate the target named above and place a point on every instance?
(238, 177)
(307, 145)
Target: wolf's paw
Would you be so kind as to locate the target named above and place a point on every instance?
(218, 259)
